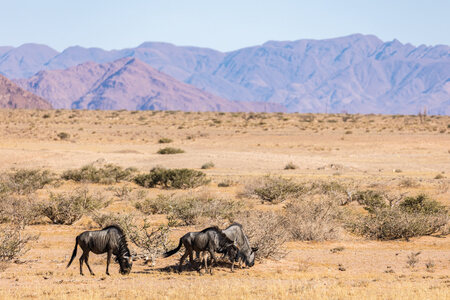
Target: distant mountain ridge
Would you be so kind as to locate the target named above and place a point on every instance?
(356, 73)
(128, 83)
(12, 96)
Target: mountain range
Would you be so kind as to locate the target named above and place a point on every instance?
(127, 83)
(12, 96)
(356, 73)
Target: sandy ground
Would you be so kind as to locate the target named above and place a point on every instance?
(367, 149)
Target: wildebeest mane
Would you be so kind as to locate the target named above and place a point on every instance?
(215, 228)
(123, 244)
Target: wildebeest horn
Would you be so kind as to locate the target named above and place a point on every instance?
(254, 249)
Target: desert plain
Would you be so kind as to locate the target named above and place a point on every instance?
(402, 154)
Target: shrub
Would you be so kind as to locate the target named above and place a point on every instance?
(172, 178)
(190, 209)
(13, 243)
(226, 183)
(18, 210)
(273, 189)
(371, 200)
(107, 174)
(165, 140)
(152, 242)
(290, 166)
(63, 135)
(415, 216)
(170, 150)
(439, 176)
(408, 183)
(65, 208)
(422, 204)
(266, 230)
(26, 181)
(125, 221)
(313, 219)
(208, 165)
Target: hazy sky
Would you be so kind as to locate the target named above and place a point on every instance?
(222, 25)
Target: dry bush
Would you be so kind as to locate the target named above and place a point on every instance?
(408, 183)
(172, 178)
(266, 230)
(13, 243)
(18, 210)
(414, 216)
(190, 209)
(153, 242)
(413, 259)
(290, 166)
(25, 181)
(313, 219)
(170, 150)
(66, 208)
(273, 189)
(125, 221)
(226, 183)
(106, 174)
(341, 193)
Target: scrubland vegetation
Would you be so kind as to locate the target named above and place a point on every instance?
(304, 216)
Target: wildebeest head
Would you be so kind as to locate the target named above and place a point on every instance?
(125, 262)
(250, 259)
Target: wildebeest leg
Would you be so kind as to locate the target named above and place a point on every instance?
(232, 265)
(205, 258)
(197, 255)
(81, 264)
(213, 260)
(108, 260)
(86, 258)
(182, 260)
(191, 259)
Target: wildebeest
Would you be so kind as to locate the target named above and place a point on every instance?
(211, 239)
(111, 240)
(247, 254)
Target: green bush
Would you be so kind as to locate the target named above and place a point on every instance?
(371, 200)
(422, 204)
(107, 174)
(63, 135)
(208, 165)
(25, 181)
(65, 208)
(165, 140)
(172, 178)
(170, 150)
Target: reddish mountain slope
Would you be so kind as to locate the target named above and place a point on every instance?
(12, 96)
(130, 84)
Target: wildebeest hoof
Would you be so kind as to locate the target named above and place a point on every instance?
(107, 273)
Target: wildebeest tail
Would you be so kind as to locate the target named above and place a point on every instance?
(74, 253)
(173, 251)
